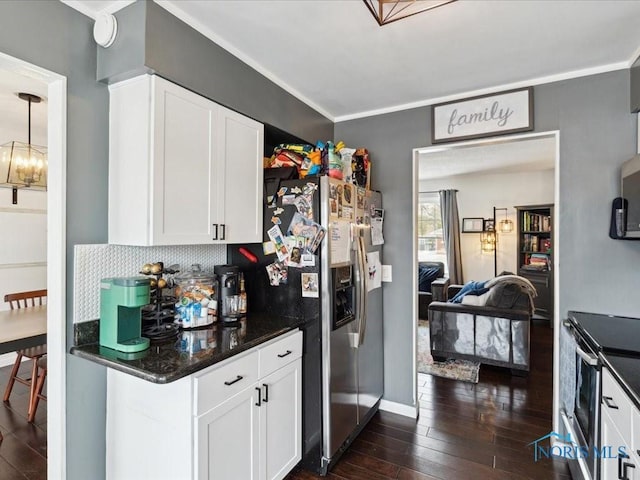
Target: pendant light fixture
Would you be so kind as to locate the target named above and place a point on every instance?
(387, 11)
(27, 162)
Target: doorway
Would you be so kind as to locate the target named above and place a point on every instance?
(56, 94)
(454, 159)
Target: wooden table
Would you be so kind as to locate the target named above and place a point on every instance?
(23, 328)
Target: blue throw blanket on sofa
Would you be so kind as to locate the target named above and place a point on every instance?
(470, 288)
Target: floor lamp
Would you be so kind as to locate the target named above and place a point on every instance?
(504, 226)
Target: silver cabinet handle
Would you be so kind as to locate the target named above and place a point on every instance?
(589, 359)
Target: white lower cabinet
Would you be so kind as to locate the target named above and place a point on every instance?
(240, 419)
(615, 468)
(617, 431)
(280, 421)
(261, 430)
(228, 439)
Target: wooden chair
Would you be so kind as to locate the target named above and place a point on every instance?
(24, 300)
(42, 375)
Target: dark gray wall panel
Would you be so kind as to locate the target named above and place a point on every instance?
(58, 38)
(125, 57)
(390, 139)
(635, 88)
(180, 54)
(596, 136)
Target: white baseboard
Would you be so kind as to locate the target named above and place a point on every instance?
(8, 359)
(410, 411)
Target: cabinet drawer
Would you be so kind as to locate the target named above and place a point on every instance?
(613, 396)
(220, 384)
(280, 353)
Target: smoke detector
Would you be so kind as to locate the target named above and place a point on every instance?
(105, 29)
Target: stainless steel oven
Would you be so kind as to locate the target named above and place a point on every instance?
(584, 423)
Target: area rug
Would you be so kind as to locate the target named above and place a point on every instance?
(463, 370)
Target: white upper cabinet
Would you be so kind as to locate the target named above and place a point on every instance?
(182, 169)
(239, 181)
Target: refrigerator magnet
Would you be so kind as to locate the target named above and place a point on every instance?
(303, 205)
(275, 234)
(308, 260)
(277, 274)
(310, 285)
(288, 199)
(268, 248)
(296, 190)
(276, 220)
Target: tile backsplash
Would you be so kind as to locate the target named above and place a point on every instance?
(94, 262)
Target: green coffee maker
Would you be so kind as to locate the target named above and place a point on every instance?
(121, 300)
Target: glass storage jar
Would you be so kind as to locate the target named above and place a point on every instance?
(196, 298)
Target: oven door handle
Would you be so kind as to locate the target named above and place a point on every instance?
(589, 359)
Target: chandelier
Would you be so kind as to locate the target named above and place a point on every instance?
(387, 11)
(27, 162)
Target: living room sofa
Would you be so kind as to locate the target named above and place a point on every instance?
(494, 335)
(432, 285)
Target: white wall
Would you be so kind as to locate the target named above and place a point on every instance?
(23, 242)
(477, 195)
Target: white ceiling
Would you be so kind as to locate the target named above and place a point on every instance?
(14, 120)
(503, 155)
(333, 55)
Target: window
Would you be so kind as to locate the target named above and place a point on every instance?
(430, 235)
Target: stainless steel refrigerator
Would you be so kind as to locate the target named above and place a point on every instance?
(352, 349)
(342, 323)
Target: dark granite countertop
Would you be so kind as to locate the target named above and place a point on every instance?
(617, 339)
(174, 359)
(626, 370)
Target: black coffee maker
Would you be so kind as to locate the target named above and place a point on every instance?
(228, 294)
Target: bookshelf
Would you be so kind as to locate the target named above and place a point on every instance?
(535, 253)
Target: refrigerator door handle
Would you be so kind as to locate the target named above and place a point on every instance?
(364, 286)
(354, 337)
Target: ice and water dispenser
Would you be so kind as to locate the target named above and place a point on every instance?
(343, 296)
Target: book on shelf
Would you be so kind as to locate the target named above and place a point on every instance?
(536, 261)
(536, 222)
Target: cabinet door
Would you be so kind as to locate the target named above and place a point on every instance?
(621, 463)
(281, 421)
(227, 439)
(239, 184)
(541, 281)
(183, 166)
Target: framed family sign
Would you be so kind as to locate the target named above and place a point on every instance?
(483, 116)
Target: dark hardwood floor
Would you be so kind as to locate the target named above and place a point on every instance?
(464, 431)
(23, 452)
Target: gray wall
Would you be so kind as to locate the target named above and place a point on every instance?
(151, 39)
(51, 35)
(597, 133)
